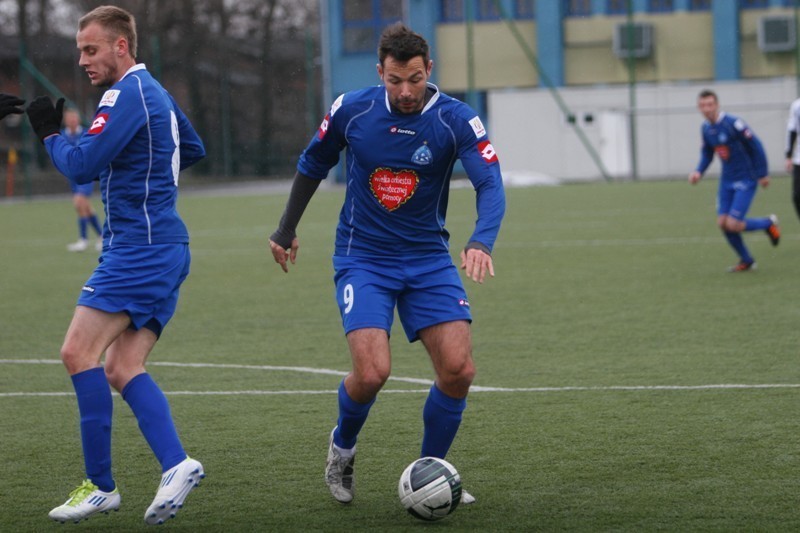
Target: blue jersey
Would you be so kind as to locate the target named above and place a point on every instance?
(137, 143)
(741, 153)
(398, 172)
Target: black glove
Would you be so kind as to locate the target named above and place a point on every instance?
(45, 119)
(8, 105)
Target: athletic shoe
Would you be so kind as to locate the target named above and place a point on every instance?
(78, 246)
(98, 245)
(85, 501)
(176, 484)
(773, 231)
(466, 498)
(742, 266)
(340, 474)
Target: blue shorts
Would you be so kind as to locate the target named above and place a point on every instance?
(142, 281)
(86, 189)
(426, 291)
(734, 198)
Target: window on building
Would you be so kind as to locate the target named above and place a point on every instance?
(578, 8)
(487, 10)
(699, 5)
(617, 7)
(659, 6)
(364, 20)
(452, 10)
(524, 9)
(750, 4)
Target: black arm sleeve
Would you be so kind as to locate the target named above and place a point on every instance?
(477, 246)
(303, 189)
(792, 139)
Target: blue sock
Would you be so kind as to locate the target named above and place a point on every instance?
(737, 243)
(352, 416)
(95, 224)
(83, 223)
(442, 416)
(96, 407)
(755, 224)
(150, 407)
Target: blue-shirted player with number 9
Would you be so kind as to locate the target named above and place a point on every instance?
(138, 142)
(402, 139)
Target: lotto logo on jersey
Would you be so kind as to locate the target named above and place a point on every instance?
(99, 124)
(487, 151)
(323, 128)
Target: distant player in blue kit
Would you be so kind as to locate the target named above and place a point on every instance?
(744, 166)
(138, 142)
(81, 193)
(391, 251)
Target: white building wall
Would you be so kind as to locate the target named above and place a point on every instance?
(532, 135)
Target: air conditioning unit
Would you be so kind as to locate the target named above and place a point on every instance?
(777, 33)
(639, 43)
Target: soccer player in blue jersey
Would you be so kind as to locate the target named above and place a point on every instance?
(744, 166)
(391, 251)
(81, 193)
(138, 142)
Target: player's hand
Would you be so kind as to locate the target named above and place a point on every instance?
(281, 254)
(10, 104)
(764, 182)
(45, 119)
(476, 264)
(789, 164)
(694, 177)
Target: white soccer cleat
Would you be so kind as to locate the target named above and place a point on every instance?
(466, 498)
(85, 501)
(98, 245)
(176, 484)
(78, 246)
(340, 474)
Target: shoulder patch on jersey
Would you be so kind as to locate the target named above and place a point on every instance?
(487, 151)
(336, 104)
(477, 127)
(109, 98)
(99, 124)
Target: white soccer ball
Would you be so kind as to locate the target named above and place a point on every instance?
(430, 488)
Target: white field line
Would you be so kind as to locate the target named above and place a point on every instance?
(426, 382)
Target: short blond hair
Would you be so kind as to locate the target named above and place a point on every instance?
(117, 21)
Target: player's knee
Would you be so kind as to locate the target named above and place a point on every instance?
(113, 377)
(372, 380)
(72, 358)
(458, 377)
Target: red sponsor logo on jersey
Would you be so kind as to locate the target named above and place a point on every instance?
(99, 124)
(393, 189)
(323, 128)
(487, 151)
(723, 151)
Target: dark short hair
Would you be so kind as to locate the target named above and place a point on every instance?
(705, 93)
(400, 42)
(117, 21)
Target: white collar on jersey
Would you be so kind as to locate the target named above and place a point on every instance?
(427, 106)
(137, 66)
